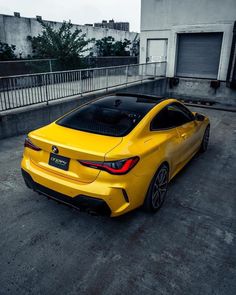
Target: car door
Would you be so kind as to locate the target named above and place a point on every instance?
(186, 126)
(167, 136)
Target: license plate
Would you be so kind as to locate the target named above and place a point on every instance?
(59, 162)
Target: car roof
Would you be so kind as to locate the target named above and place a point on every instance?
(132, 102)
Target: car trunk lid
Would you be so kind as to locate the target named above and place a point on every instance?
(58, 144)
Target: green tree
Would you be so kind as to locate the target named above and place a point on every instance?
(105, 46)
(64, 44)
(120, 48)
(108, 47)
(135, 47)
(7, 51)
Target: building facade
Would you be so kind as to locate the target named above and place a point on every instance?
(15, 30)
(111, 24)
(196, 38)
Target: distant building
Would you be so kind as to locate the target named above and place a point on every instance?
(111, 24)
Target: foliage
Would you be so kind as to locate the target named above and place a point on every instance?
(135, 47)
(108, 47)
(120, 48)
(105, 46)
(64, 44)
(7, 51)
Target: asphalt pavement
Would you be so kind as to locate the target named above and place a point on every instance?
(188, 247)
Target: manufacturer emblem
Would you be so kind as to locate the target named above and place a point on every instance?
(55, 150)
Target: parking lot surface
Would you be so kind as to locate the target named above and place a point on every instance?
(188, 247)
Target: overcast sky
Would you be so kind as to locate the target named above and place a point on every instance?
(78, 11)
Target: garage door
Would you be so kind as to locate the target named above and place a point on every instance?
(199, 55)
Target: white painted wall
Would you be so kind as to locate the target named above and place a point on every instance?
(14, 30)
(164, 19)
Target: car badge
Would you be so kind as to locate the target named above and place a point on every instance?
(55, 149)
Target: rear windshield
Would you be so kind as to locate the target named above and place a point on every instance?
(106, 118)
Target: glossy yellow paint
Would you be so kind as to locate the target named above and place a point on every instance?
(174, 146)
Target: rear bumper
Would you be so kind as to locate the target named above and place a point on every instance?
(82, 202)
(112, 195)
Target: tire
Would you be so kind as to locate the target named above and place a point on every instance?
(205, 140)
(157, 190)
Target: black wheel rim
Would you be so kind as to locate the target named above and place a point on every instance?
(206, 138)
(159, 189)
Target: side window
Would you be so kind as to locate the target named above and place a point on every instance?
(186, 111)
(171, 116)
(179, 115)
(162, 120)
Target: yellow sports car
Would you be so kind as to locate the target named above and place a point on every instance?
(114, 154)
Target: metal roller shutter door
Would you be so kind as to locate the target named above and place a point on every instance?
(199, 55)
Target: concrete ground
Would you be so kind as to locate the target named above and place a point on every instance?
(188, 247)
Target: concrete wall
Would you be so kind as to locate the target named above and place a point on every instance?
(164, 19)
(163, 14)
(14, 30)
(199, 89)
(21, 121)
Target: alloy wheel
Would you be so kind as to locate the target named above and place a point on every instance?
(159, 189)
(206, 139)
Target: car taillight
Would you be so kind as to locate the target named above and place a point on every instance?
(28, 143)
(117, 167)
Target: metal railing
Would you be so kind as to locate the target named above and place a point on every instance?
(25, 90)
(39, 66)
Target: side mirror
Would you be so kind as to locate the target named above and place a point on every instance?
(199, 117)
